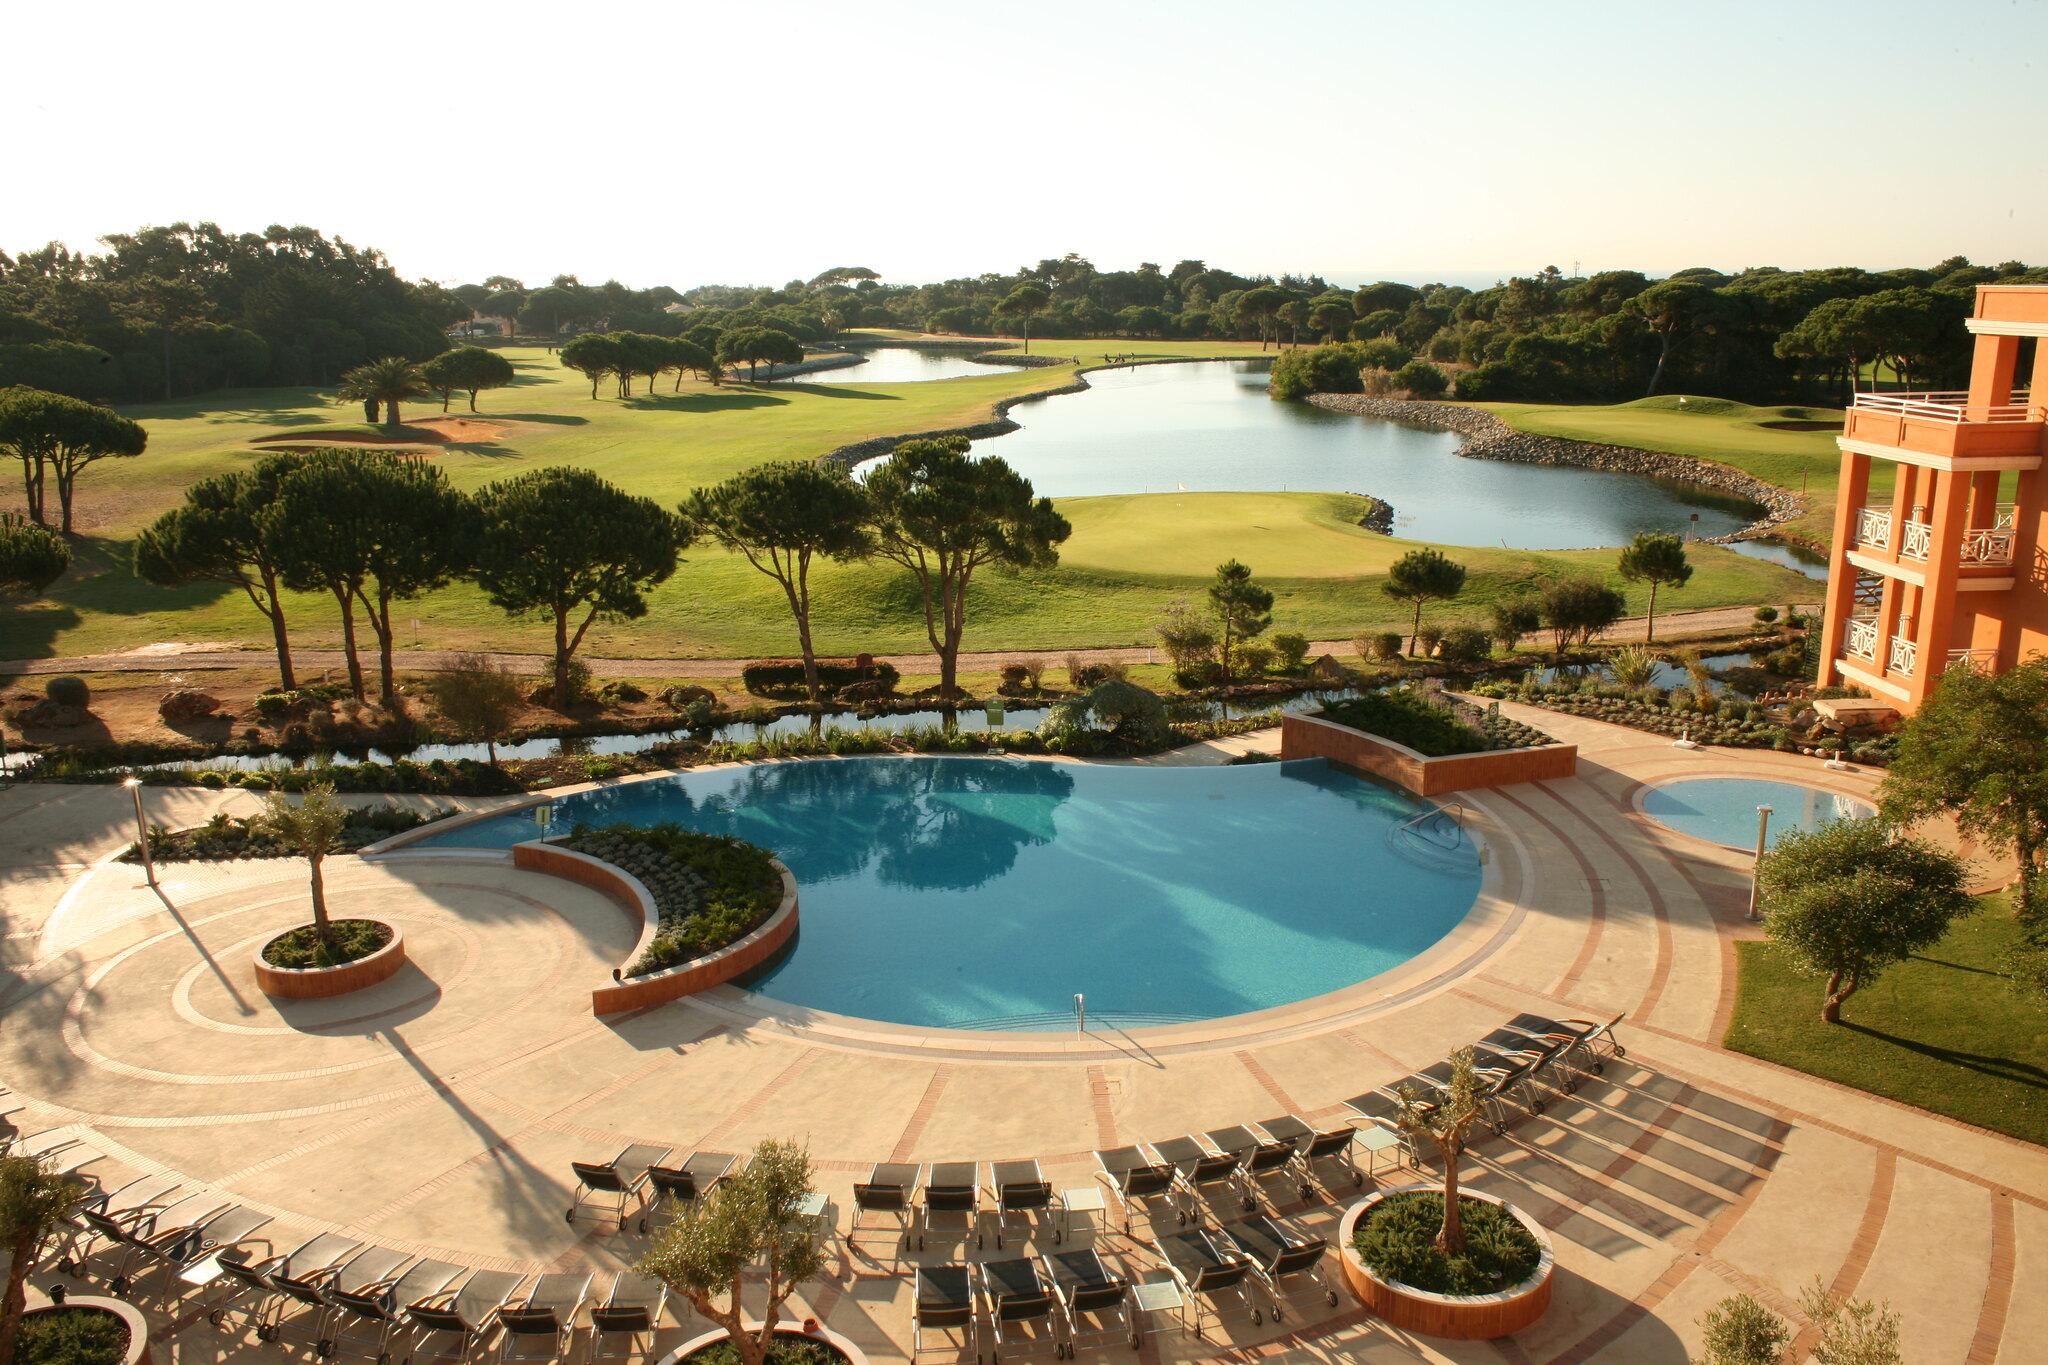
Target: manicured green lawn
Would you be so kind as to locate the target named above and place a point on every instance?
(1128, 558)
(1946, 1030)
(1710, 429)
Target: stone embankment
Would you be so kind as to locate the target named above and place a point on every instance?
(1489, 438)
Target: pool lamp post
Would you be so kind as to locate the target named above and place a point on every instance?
(134, 786)
(1763, 828)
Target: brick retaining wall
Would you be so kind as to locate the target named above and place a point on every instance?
(1312, 737)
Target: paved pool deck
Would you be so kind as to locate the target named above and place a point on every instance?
(438, 1113)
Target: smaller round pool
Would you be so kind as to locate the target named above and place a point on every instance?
(1722, 810)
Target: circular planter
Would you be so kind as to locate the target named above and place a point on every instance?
(138, 1326)
(1465, 1317)
(321, 983)
(853, 1353)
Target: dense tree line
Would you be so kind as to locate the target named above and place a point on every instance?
(166, 312)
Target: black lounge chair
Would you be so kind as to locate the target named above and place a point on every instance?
(1134, 1174)
(1316, 1149)
(1261, 1156)
(1095, 1302)
(1200, 1171)
(1211, 1273)
(669, 1186)
(945, 1305)
(170, 1238)
(632, 1309)
(542, 1324)
(1522, 1071)
(1014, 1294)
(456, 1320)
(1585, 1035)
(1020, 1188)
(1553, 1069)
(951, 1187)
(373, 1293)
(615, 1185)
(1284, 1261)
(99, 1220)
(888, 1190)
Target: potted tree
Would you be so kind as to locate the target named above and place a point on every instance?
(326, 957)
(1438, 1259)
(753, 1224)
(74, 1330)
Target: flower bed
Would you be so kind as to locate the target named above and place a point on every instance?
(1432, 729)
(1497, 1241)
(348, 940)
(72, 1334)
(817, 1346)
(1396, 1239)
(709, 890)
(225, 837)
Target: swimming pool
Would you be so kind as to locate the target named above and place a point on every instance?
(1723, 809)
(984, 892)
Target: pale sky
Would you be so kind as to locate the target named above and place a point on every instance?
(758, 142)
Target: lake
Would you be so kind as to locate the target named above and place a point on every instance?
(1210, 427)
(902, 365)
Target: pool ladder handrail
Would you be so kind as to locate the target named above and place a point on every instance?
(1440, 811)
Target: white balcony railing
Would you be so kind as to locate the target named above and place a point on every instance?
(1874, 526)
(1902, 657)
(1951, 406)
(1916, 540)
(1987, 547)
(2006, 518)
(1973, 658)
(1860, 639)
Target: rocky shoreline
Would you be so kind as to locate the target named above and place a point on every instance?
(1489, 438)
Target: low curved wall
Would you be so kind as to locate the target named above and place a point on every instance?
(322, 983)
(1313, 737)
(130, 1316)
(1473, 1317)
(685, 978)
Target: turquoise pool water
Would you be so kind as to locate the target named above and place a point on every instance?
(1723, 809)
(976, 892)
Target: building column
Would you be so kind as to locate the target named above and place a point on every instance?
(1839, 602)
(1935, 629)
(1992, 366)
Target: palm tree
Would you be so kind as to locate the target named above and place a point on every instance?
(389, 381)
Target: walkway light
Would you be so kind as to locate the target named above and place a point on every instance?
(134, 786)
(1763, 828)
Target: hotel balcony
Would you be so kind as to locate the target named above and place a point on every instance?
(1942, 431)
(1982, 546)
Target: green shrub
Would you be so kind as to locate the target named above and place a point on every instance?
(1114, 715)
(348, 941)
(1766, 616)
(1740, 1331)
(1315, 369)
(1465, 645)
(1431, 730)
(619, 693)
(1090, 675)
(784, 1350)
(76, 1336)
(1397, 1241)
(67, 690)
(1254, 657)
(1386, 646)
(277, 703)
(1421, 379)
(1426, 641)
(1290, 649)
(785, 677)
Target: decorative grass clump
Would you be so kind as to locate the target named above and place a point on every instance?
(349, 940)
(1397, 1240)
(72, 1336)
(709, 889)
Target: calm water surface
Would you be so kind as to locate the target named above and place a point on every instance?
(902, 365)
(1211, 428)
(953, 892)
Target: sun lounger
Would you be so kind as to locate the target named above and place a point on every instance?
(1553, 1067)
(1134, 1175)
(631, 1309)
(887, 1191)
(1021, 1189)
(1013, 1295)
(1200, 1172)
(172, 1237)
(951, 1188)
(1592, 1040)
(615, 1185)
(671, 1186)
(1211, 1273)
(945, 1306)
(1316, 1150)
(373, 1292)
(303, 1306)
(542, 1324)
(452, 1322)
(138, 1200)
(1260, 1155)
(1095, 1302)
(1287, 1263)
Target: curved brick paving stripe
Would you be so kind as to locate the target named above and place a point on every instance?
(438, 1114)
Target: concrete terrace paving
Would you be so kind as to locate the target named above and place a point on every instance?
(438, 1113)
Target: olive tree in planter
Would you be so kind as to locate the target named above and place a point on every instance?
(32, 1200)
(1446, 1121)
(312, 825)
(751, 1222)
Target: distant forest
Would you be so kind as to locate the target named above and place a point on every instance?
(170, 312)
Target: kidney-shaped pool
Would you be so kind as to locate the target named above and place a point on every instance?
(980, 893)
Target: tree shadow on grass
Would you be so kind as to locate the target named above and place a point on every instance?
(2008, 1069)
(1957, 966)
(553, 419)
(834, 391)
(724, 400)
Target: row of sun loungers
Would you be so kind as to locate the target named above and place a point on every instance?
(646, 1176)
